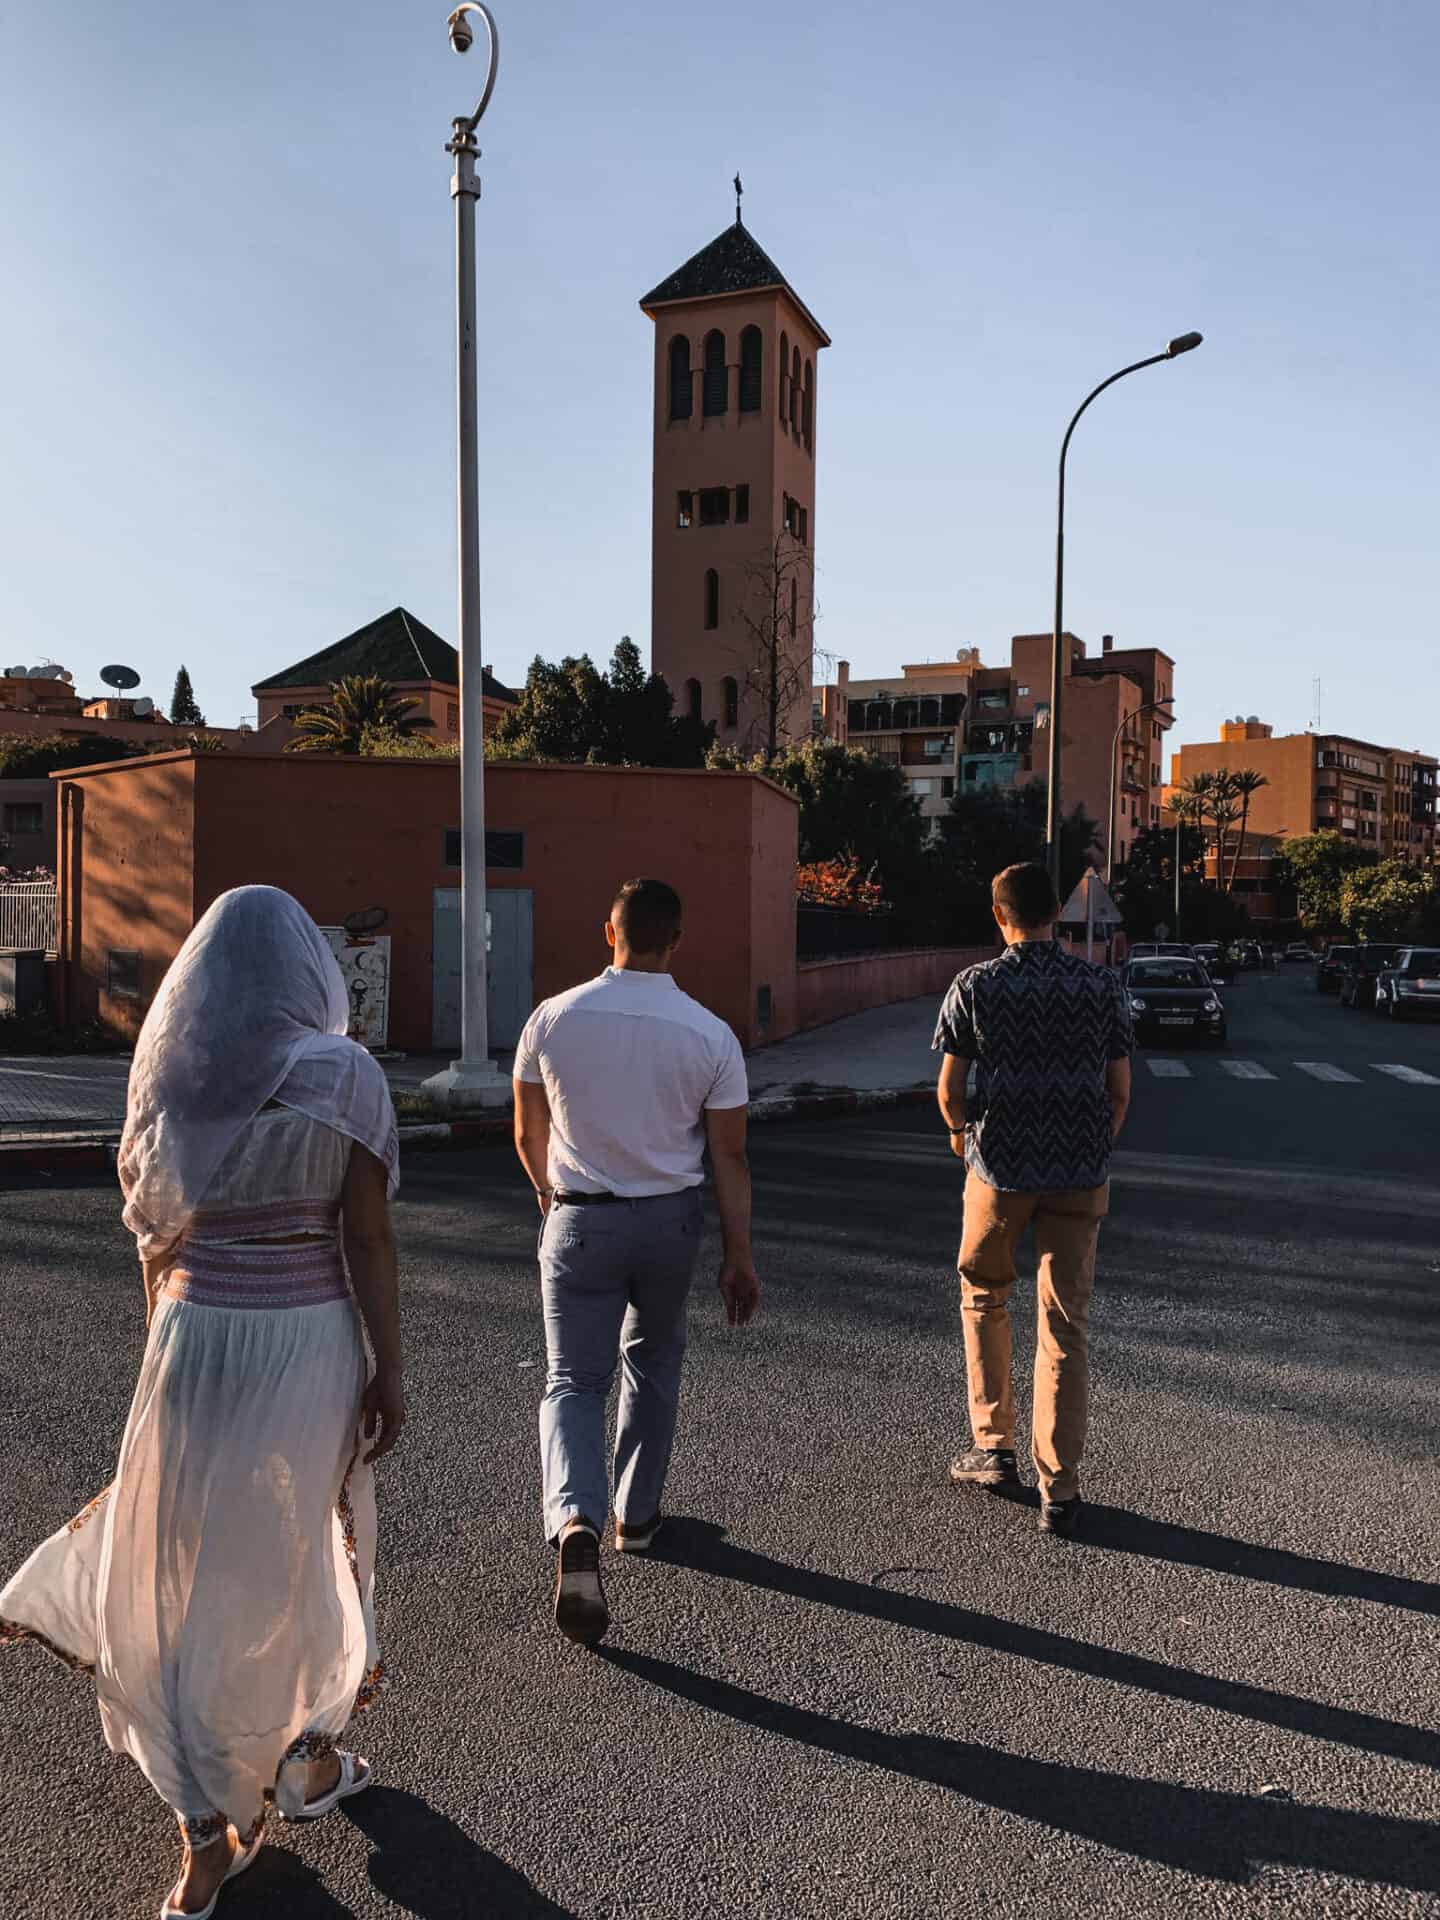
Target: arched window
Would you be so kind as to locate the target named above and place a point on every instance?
(717, 375)
(795, 391)
(712, 598)
(693, 699)
(784, 378)
(730, 688)
(751, 372)
(682, 392)
(807, 408)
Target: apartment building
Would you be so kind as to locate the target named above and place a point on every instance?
(1382, 797)
(958, 725)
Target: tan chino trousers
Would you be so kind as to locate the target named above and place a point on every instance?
(1067, 1230)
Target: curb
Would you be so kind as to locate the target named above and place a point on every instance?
(96, 1152)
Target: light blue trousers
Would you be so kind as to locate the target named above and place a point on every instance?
(615, 1280)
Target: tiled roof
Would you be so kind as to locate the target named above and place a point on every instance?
(734, 262)
(397, 646)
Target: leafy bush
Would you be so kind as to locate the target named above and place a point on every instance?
(36, 1032)
(28, 756)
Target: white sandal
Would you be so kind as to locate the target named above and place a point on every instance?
(244, 1857)
(355, 1776)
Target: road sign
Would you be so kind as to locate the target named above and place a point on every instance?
(1090, 905)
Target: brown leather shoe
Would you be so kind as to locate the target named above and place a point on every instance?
(637, 1539)
(580, 1610)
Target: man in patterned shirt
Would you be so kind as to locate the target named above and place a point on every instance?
(1050, 1038)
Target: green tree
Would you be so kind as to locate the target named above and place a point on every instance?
(205, 743)
(1247, 782)
(26, 756)
(990, 828)
(573, 712)
(1314, 867)
(358, 702)
(183, 710)
(384, 743)
(1381, 902)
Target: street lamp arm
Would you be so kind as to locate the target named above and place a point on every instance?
(1153, 361)
(462, 39)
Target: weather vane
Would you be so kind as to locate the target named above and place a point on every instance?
(739, 191)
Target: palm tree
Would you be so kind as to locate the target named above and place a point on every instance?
(1212, 797)
(358, 704)
(1247, 782)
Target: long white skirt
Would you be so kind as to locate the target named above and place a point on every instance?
(220, 1590)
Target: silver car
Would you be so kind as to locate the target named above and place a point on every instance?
(1411, 988)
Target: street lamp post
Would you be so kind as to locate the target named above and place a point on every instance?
(1151, 706)
(1183, 343)
(472, 1080)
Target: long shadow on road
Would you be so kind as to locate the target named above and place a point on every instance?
(1224, 1836)
(701, 1545)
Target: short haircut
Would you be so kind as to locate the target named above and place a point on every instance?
(646, 916)
(1025, 895)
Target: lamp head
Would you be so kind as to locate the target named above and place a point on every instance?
(1184, 343)
(462, 35)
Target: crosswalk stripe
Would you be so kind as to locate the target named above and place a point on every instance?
(1169, 1069)
(1246, 1070)
(1412, 1076)
(1322, 1070)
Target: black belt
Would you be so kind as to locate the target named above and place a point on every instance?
(560, 1198)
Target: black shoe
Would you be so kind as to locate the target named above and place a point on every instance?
(580, 1610)
(1058, 1516)
(985, 1467)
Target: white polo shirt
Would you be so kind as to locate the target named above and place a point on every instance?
(630, 1065)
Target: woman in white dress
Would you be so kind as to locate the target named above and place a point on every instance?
(220, 1589)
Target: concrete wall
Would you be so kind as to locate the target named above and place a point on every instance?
(152, 843)
(830, 989)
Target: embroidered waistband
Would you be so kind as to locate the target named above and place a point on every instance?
(266, 1277)
(269, 1218)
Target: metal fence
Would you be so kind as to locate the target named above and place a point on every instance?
(27, 916)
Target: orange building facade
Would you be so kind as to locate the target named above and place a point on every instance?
(1381, 797)
(733, 512)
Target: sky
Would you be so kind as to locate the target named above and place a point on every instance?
(227, 328)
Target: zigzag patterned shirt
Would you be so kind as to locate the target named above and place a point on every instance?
(1041, 1026)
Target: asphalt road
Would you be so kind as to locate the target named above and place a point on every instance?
(847, 1690)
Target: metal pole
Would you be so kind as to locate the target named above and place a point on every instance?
(472, 1080)
(1053, 812)
(1178, 824)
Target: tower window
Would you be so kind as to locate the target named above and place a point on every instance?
(807, 408)
(714, 506)
(712, 599)
(751, 370)
(742, 505)
(784, 378)
(694, 700)
(795, 391)
(684, 509)
(802, 525)
(730, 688)
(682, 397)
(717, 375)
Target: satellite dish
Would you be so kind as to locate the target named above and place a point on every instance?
(142, 708)
(122, 678)
(366, 920)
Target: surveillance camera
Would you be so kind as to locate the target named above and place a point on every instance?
(462, 37)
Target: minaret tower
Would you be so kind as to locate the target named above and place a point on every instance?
(733, 514)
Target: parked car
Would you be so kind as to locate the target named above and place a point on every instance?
(1216, 961)
(1171, 995)
(1297, 950)
(1411, 987)
(1249, 953)
(1358, 975)
(1159, 949)
(1330, 966)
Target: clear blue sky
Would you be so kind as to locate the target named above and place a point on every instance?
(227, 328)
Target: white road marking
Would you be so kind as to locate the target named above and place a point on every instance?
(1169, 1069)
(1246, 1070)
(1322, 1070)
(1412, 1076)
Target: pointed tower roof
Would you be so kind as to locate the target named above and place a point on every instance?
(733, 263)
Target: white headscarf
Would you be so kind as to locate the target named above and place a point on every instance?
(253, 1009)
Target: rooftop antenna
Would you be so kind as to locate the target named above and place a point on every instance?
(739, 195)
(1315, 714)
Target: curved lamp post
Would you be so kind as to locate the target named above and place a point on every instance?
(1151, 706)
(472, 1080)
(1183, 343)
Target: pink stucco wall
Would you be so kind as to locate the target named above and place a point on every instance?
(830, 989)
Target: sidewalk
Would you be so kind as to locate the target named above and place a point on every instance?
(71, 1105)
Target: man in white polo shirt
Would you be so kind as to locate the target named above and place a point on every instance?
(619, 1084)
